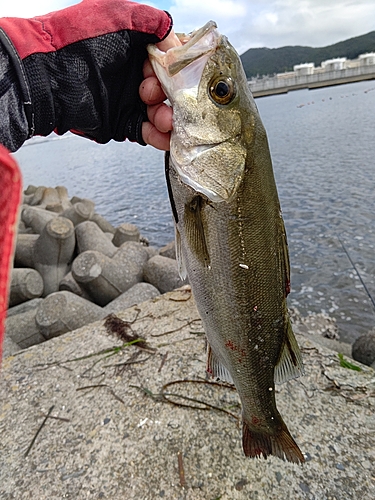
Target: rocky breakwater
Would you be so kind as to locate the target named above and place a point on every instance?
(73, 267)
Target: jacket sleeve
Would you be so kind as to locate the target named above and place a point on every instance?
(14, 127)
(77, 69)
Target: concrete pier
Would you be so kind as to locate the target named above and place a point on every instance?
(271, 85)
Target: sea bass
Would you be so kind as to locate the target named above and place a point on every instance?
(230, 235)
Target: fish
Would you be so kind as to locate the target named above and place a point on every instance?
(230, 236)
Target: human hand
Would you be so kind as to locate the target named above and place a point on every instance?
(156, 132)
(82, 68)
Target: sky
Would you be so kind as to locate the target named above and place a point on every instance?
(249, 23)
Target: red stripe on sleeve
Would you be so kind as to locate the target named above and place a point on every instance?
(10, 194)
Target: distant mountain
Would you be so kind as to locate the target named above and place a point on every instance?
(265, 61)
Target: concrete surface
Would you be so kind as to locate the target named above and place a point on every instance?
(109, 434)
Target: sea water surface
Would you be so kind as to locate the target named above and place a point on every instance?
(323, 149)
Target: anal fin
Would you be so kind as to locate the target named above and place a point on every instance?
(290, 364)
(215, 368)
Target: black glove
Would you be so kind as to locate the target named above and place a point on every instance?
(79, 69)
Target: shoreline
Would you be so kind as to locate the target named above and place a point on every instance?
(311, 85)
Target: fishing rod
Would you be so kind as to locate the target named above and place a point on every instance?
(358, 273)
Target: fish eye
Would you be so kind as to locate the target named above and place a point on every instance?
(222, 90)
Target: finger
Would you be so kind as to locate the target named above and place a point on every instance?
(170, 41)
(151, 135)
(150, 91)
(160, 115)
(147, 69)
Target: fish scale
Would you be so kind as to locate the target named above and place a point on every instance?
(230, 236)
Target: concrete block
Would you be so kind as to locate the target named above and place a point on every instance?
(22, 229)
(53, 252)
(69, 284)
(126, 232)
(103, 223)
(162, 273)
(90, 237)
(9, 347)
(24, 252)
(105, 279)
(37, 195)
(24, 307)
(49, 197)
(30, 189)
(36, 218)
(64, 198)
(23, 330)
(77, 213)
(62, 312)
(25, 284)
(135, 295)
(168, 250)
(89, 203)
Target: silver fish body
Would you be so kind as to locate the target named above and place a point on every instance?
(230, 234)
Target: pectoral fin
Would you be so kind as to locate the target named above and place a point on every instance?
(194, 229)
(179, 257)
(290, 363)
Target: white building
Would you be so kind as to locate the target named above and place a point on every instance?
(304, 69)
(367, 59)
(334, 64)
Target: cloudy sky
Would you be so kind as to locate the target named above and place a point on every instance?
(249, 23)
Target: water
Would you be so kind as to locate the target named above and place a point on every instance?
(323, 150)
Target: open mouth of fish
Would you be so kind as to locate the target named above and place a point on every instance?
(199, 44)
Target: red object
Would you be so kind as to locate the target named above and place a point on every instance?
(88, 19)
(10, 195)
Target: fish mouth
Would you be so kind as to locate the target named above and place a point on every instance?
(194, 46)
(191, 49)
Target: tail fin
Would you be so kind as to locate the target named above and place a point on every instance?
(282, 445)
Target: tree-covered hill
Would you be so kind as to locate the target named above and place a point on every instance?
(264, 61)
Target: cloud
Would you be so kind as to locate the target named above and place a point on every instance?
(275, 23)
(249, 23)
(31, 8)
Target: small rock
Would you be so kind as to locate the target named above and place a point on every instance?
(363, 349)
